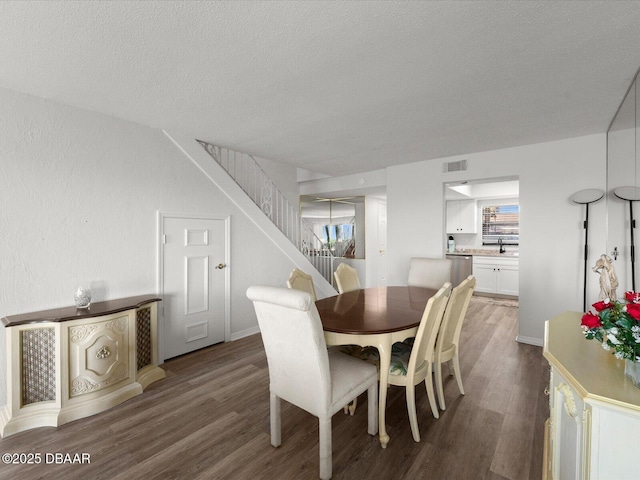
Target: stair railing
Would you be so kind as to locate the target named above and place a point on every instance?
(248, 174)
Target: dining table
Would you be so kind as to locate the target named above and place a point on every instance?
(379, 317)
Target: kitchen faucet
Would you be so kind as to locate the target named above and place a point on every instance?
(502, 250)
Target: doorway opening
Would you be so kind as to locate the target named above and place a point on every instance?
(482, 226)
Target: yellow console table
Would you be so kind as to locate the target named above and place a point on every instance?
(69, 363)
(594, 418)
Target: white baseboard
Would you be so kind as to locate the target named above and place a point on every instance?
(245, 333)
(530, 340)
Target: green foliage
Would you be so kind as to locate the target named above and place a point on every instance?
(618, 331)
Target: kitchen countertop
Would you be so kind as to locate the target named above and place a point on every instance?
(484, 253)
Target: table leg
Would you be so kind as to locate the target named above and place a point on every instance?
(384, 349)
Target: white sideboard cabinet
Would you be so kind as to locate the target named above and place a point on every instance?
(594, 418)
(70, 363)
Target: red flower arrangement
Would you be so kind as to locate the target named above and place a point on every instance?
(616, 325)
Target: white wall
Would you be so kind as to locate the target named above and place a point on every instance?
(79, 194)
(551, 259)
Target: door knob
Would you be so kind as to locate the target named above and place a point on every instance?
(220, 266)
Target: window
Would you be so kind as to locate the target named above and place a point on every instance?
(501, 221)
(339, 238)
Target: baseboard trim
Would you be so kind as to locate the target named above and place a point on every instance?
(530, 340)
(245, 333)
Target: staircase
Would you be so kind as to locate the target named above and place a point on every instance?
(248, 174)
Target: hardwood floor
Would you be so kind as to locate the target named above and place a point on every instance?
(209, 419)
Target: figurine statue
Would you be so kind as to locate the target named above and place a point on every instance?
(608, 279)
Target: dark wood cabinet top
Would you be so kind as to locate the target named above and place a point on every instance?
(65, 314)
(374, 310)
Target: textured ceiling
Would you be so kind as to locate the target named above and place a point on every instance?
(334, 87)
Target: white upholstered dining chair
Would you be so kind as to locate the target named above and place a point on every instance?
(412, 361)
(346, 278)
(448, 342)
(300, 280)
(429, 272)
(302, 371)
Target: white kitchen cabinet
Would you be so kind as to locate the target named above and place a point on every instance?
(462, 216)
(594, 410)
(496, 275)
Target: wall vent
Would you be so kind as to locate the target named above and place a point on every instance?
(458, 166)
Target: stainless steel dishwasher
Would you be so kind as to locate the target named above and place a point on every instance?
(461, 268)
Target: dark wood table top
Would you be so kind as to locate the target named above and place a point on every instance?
(64, 314)
(374, 310)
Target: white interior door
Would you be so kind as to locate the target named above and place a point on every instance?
(382, 244)
(194, 256)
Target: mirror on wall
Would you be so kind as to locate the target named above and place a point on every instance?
(337, 224)
(623, 192)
